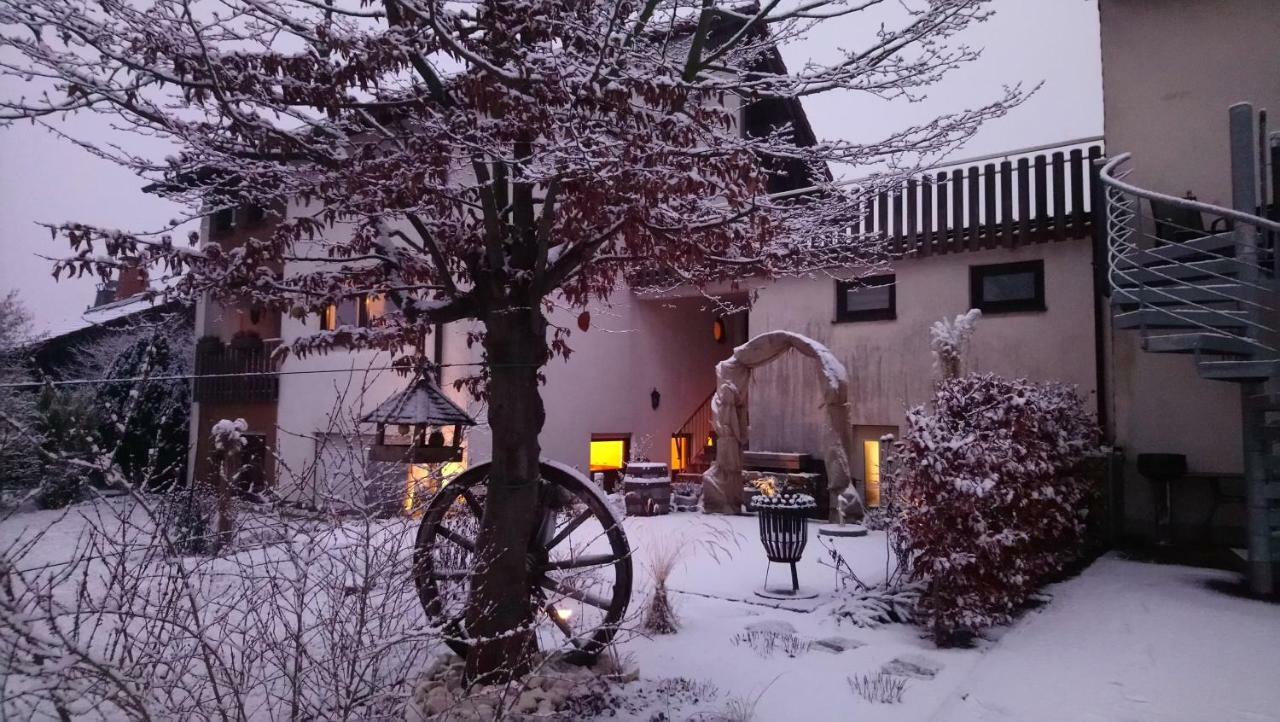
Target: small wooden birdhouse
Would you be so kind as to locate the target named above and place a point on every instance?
(418, 418)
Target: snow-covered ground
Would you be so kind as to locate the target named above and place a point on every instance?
(1123, 641)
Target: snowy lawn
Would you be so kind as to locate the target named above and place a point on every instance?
(1123, 641)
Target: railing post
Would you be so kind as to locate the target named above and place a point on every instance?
(1244, 198)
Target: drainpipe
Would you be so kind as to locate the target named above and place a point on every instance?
(1101, 301)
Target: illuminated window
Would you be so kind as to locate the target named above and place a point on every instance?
(681, 445)
(608, 452)
(427, 479)
(871, 471)
(350, 312)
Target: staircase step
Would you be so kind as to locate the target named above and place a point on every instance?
(1179, 293)
(1126, 275)
(1206, 342)
(1216, 245)
(1180, 318)
(1239, 370)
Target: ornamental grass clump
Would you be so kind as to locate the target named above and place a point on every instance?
(991, 484)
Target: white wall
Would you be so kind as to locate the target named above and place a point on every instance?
(889, 362)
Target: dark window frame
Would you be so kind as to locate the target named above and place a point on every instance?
(222, 222)
(362, 314)
(979, 274)
(844, 315)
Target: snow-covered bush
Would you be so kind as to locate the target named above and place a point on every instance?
(991, 493)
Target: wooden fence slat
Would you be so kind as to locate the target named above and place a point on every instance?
(989, 220)
(897, 220)
(1042, 198)
(1024, 203)
(1006, 204)
(975, 224)
(957, 211)
(1094, 191)
(926, 217)
(1077, 193)
(1059, 197)
(940, 243)
(882, 223)
(912, 206)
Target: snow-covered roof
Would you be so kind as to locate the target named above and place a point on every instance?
(98, 316)
(422, 403)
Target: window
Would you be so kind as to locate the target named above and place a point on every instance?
(350, 312)
(609, 451)
(1007, 287)
(681, 445)
(867, 299)
(870, 444)
(871, 471)
(222, 222)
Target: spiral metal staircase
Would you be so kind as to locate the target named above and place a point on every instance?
(1199, 279)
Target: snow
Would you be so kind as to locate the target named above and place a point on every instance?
(785, 500)
(1122, 641)
(97, 316)
(1132, 641)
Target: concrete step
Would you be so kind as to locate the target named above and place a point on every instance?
(1205, 342)
(1129, 276)
(1180, 317)
(1219, 293)
(1243, 371)
(1215, 246)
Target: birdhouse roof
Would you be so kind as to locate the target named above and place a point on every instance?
(421, 403)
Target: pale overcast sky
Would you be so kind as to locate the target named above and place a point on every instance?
(45, 178)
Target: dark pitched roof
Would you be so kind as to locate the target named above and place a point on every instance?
(421, 403)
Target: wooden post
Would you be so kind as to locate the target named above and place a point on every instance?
(1059, 197)
(1024, 203)
(957, 210)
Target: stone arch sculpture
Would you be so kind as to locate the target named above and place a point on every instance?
(722, 483)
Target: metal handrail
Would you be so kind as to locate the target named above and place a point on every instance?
(1107, 174)
(1122, 216)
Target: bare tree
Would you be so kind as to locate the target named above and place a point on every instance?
(480, 161)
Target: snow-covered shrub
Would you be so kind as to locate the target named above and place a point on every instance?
(992, 495)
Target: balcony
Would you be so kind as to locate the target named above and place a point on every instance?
(241, 371)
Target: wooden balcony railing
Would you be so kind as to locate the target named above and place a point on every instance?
(1003, 201)
(230, 374)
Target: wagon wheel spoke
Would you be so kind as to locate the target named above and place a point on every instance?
(457, 538)
(585, 560)
(450, 574)
(567, 529)
(582, 596)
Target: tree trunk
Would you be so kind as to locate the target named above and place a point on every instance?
(500, 602)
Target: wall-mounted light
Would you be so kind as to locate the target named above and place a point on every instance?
(655, 398)
(717, 330)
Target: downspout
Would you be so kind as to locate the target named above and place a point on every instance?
(1101, 302)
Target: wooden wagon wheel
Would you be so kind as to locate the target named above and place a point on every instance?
(579, 561)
